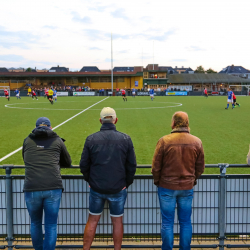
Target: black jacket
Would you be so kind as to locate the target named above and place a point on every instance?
(108, 160)
(44, 153)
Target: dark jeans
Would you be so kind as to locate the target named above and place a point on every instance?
(36, 202)
(168, 199)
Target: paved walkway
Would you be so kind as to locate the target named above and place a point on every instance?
(156, 243)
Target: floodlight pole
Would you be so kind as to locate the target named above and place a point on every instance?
(153, 55)
(111, 64)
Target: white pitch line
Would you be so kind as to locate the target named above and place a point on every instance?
(15, 151)
(176, 105)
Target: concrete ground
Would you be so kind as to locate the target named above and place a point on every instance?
(147, 243)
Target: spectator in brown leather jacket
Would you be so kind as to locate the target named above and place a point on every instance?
(177, 164)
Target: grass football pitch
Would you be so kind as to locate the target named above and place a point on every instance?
(224, 133)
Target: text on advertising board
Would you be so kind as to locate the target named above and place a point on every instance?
(83, 93)
(176, 93)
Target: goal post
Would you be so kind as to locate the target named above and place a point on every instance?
(2, 88)
(243, 89)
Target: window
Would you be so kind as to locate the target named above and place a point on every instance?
(95, 79)
(105, 79)
(120, 79)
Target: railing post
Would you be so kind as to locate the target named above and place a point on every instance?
(9, 206)
(222, 205)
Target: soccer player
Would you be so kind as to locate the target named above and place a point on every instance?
(229, 98)
(33, 93)
(55, 95)
(234, 101)
(46, 92)
(133, 92)
(151, 92)
(17, 92)
(124, 95)
(6, 93)
(29, 91)
(205, 92)
(50, 95)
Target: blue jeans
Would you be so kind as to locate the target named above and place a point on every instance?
(168, 199)
(36, 202)
(116, 202)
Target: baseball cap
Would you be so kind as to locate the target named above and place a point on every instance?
(106, 112)
(43, 121)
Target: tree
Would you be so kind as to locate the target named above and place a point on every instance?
(200, 69)
(209, 71)
(28, 70)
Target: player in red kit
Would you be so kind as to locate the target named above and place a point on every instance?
(6, 93)
(205, 92)
(234, 100)
(124, 95)
(33, 93)
(46, 92)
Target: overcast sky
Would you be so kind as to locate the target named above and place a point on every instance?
(76, 33)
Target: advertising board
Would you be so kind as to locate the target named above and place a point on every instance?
(62, 93)
(176, 93)
(83, 93)
(142, 93)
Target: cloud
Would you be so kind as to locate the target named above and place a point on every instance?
(147, 19)
(94, 48)
(178, 60)
(99, 8)
(162, 37)
(118, 36)
(50, 27)
(20, 39)
(194, 48)
(123, 51)
(108, 60)
(95, 34)
(14, 60)
(77, 18)
(11, 58)
(119, 13)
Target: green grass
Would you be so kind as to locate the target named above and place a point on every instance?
(224, 133)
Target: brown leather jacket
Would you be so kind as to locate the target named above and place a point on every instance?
(178, 160)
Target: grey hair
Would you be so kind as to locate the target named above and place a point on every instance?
(108, 120)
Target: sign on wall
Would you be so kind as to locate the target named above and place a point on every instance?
(136, 83)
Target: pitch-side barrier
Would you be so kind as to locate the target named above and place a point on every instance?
(220, 217)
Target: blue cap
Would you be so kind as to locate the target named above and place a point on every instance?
(43, 121)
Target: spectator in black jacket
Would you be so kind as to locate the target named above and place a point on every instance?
(44, 153)
(108, 164)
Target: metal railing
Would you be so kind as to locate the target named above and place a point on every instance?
(221, 212)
